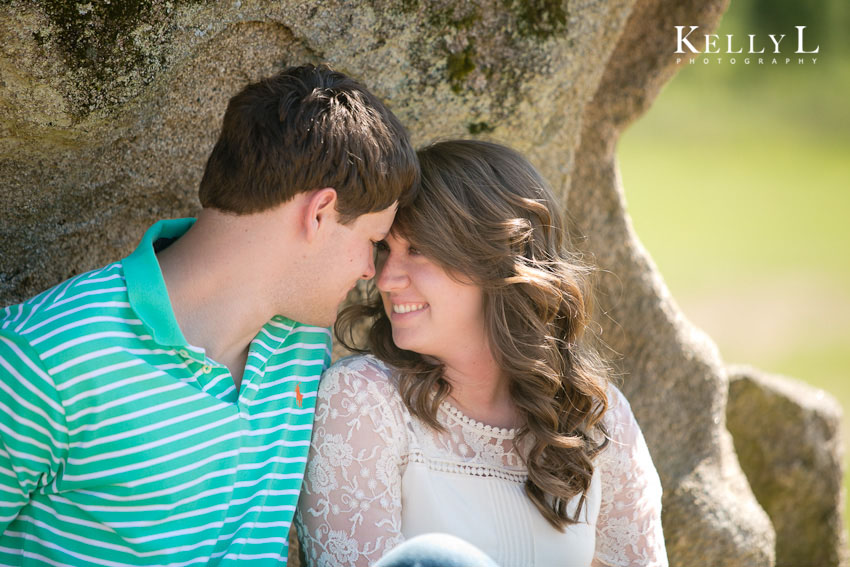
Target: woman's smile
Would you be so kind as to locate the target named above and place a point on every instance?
(408, 308)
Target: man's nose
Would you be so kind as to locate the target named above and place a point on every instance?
(369, 272)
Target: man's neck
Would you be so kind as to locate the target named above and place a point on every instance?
(216, 293)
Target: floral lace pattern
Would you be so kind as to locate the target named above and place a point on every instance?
(628, 530)
(364, 438)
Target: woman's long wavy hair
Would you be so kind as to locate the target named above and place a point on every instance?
(484, 213)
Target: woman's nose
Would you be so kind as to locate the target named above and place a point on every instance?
(392, 275)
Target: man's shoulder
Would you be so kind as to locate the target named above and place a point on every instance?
(33, 327)
(289, 330)
(287, 342)
(98, 293)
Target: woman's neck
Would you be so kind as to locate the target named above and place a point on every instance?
(480, 389)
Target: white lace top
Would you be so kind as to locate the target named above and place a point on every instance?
(377, 475)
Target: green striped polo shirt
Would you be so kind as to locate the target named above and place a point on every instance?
(122, 444)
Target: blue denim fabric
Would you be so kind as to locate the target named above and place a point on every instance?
(436, 550)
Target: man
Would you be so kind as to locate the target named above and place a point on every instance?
(159, 410)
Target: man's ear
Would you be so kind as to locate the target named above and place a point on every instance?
(320, 209)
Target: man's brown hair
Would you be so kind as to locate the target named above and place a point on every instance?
(307, 128)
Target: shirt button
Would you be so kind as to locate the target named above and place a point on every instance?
(207, 369)
(183, 353)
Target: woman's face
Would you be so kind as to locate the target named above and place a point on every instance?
(431, 313)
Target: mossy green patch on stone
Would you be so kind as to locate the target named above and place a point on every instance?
(409, 6)
(439, 15)
(482, 48)
(460, 17)
(476, 128)
(459, 65)
(540, 19)
(92, 31)
(109, 46)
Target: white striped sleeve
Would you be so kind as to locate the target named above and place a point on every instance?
(33, 431)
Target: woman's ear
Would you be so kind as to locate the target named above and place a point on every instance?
(319, 210)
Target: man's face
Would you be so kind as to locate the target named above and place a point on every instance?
(348, 257)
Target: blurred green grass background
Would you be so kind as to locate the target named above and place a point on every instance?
(738, 183)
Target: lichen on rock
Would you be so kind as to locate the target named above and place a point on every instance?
(112, 49)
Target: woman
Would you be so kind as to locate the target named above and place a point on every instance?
(481, 412)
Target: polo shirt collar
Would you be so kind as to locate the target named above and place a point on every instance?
(146, 287)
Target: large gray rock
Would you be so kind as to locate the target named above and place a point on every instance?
(787, 437)
(108, 114)
(108, 111)
(673, 372)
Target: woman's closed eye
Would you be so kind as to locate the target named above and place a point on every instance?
(382, 247)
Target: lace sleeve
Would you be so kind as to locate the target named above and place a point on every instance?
(628, 531)
(350, 507)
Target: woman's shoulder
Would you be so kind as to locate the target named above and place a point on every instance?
(625, 438)
(619, 413)
(360, 367)
(359, 375)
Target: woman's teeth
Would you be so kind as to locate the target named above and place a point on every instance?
(408, 307)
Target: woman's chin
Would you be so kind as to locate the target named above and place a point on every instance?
(404, 341)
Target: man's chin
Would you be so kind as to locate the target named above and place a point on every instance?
(324, 322)
(315, 321)
(327, 320)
